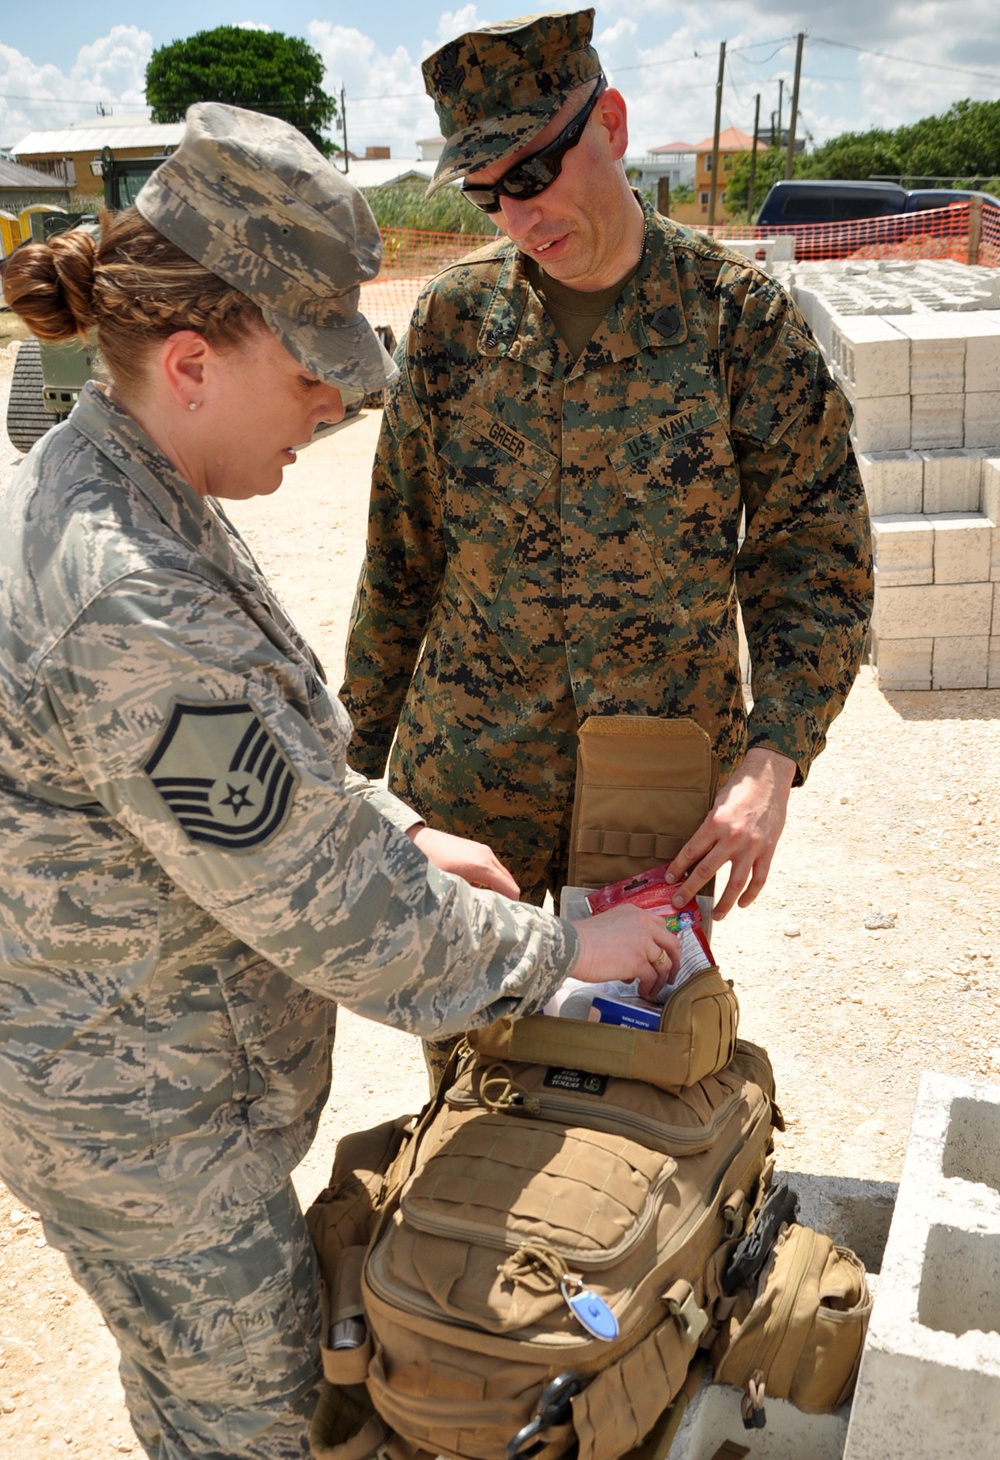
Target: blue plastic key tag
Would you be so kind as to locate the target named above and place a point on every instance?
(590, 1311)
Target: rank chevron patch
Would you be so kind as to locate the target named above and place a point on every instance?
(221, 775)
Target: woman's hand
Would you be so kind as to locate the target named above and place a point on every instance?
(627, 942)
(471, 860)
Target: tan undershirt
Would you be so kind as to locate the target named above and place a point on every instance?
(576, 313)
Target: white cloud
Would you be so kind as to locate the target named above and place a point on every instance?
(385, 100)
(109, 72)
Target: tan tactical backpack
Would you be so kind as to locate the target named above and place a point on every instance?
(545, 1259)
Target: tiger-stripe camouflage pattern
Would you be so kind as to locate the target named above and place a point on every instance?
(550, 540)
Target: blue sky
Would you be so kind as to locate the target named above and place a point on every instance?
(865, 63)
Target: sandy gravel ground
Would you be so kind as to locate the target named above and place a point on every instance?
(871, 956)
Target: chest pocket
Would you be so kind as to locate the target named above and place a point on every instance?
(493, 477)
(680, 480)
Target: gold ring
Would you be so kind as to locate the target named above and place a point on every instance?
(662, 957)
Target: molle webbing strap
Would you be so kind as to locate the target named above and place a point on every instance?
(643, 786)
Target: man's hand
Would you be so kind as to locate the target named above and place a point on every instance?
(742, 829)
(471, 860)
(627, 942)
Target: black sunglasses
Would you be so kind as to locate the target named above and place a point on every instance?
(532, 175)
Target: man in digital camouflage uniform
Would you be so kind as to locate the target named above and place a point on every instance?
(189, 872)
(586, 409)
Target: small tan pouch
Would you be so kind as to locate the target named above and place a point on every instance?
(643, 786)
(800, 1333)
(696, 1038)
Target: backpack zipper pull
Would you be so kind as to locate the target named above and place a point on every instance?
(590, 1311)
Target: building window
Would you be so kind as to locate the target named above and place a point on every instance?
(704, 200)
(709, 159)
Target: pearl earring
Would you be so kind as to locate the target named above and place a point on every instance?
(192, 405)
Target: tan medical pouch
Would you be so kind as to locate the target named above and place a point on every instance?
(643, 786)
(799, 1333)
(696, 1038)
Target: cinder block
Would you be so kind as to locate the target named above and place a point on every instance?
(994, 552)
(882, 423)
(874, 357)
(952, 481)
(982, 352)
(993, 672)
(991, 490)
(937, 420)
(904, 550)
(941, 610)
(713, 1426)
(929, 1383)
(962, 546)
(937, 351)
(961, 664)
(982, 418)
(995, 624)
(894, 481)
(902, 663)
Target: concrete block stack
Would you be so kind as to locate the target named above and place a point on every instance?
(929, 1382)
(916, 348)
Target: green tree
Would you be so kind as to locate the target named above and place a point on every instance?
(262, 70)
(854, 155)
(770, 166)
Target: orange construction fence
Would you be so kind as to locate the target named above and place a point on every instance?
(958, 231)
(969, 235)
(410, 256)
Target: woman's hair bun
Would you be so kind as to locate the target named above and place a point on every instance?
(51, 285)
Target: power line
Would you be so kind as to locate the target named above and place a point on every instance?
(907, 60)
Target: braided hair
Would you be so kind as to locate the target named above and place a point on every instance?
(132, 287)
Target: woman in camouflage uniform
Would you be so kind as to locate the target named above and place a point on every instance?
(190, 874)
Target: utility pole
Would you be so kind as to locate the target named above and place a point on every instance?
(714, 184)
(790, 158)
(781, 93)
(753, 159)
(343, 128)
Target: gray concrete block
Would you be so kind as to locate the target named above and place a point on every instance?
(712, 1420)
(962, 546)
(952, 481)
(929, 1382)
(882, 423)
(902, 663)
(993, 667)
(937, 420)
(961, 663)
(982, 352)
(991, 490)
(904, 550)
(982, 418)
(852, 1213)
(894, 481)
(873, 355)
(949, 610)
(937, 351)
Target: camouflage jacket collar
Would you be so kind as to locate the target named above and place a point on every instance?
(118, 436)
(648, 314)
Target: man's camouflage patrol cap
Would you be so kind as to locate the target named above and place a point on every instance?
(496, 88)
(250, 198)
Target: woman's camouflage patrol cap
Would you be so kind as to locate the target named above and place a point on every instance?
(496, 88)
(250, 198)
